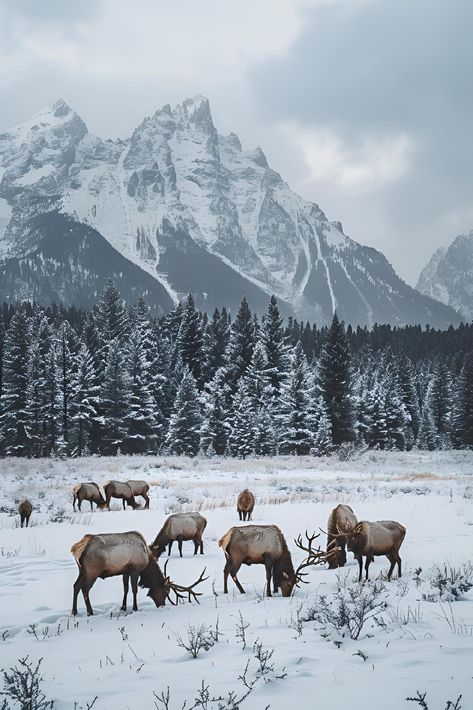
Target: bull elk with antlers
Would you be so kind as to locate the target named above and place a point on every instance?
(370, 540)
(126, 554)
(265, 545)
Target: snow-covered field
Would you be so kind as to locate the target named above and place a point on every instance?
(414, 644)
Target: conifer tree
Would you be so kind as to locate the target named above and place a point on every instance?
(462, 425)
(296, 416)
(139, 416)
(409, 397)
(274, 340)
(334, 382)
(240, 423)
(441, 403)
(322, 444)
(241, 345)
(114, 399)
(111, 316)
(183, 436)
(190, 339)
(214, 430)
(83, 401)
(14, 400)
(427, 435)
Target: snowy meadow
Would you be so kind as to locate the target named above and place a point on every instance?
(334, 643)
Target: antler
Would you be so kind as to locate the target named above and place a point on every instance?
(181, 591)
(314, 557)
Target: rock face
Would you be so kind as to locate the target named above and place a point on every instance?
(185, 209)
(448, 276)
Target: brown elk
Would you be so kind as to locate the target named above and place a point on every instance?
(340, 518)
(245, 504)
(122, 491)
(371, 540)
(140, 488)
(126, 554)
(180, 527)
(25, 509)
(265, 545)
(87, 491)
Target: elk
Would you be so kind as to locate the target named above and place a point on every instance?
(180, 527)
(87, 491)
(265, 545)
(126, 554)
(140, 488)
(123, 491)
(340, 517)
(373, 539)
(25, 509)
(245, 504)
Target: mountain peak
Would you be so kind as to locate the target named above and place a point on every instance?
(196, 109)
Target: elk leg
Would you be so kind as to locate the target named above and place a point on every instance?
(201, 546)
(269, 570)
(240, 514)
(74, 503)
(398, 564)
(196, 545)
(79, 504)
(86, 587)
(146, 500)
(126, 579)
(360, 563)
(134, 589)
(226, 572)
(91, 506)
(233, 571)
(179, 544)
(369, 560)
(169, 547)
(77, 587)
(28, 520)
(123, 501)
(391, 557)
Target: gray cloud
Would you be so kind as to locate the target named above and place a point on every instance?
(377, 69)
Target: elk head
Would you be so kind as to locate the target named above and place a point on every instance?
(180, 591)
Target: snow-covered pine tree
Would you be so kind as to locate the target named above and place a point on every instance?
(14, 400)
(83, 401)
(183, 436)
(427, 439)
(216, 342)
(296, 418)
(334, 382)
(409, 397)
(377, 430)
(240, 347)
(241, 420)
(139, 418)
(110, 314)
(276, 346)
(462, 424)
(441, 402)
(190, 339)
(67, 346)
(322, 443)
(213, 438)
(114, 399)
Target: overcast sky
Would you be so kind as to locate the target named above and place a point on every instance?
(363, 106)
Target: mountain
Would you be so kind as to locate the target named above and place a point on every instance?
(178, 208)
(448, 276)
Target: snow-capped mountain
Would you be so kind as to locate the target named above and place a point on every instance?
(179, 208)
(448, 276)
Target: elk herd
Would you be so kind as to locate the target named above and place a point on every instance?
(128, 554)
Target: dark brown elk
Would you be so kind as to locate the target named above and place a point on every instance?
(340, 518)
(180, 527)
(122, 491)
(25, 509)
(140, 488)
(371, 540)
(126, 554)
(87, 491)
(245, 504)
(265, 545)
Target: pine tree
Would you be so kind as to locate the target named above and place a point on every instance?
(183, 437)
(322, 444)
(213, 438)
(83, 401)
(190, 339)
(111, 316)
(216, 342)
(274, 340)
(427, 437)
(260, 392)
(409, 396)
(14, 400)
(240, 423)
(139, 417)
(462, 425)
(296, 416)
(114, 399)
(441, 402)
(334, 382)
(241, 345)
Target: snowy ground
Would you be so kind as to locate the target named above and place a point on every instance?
(122, 658)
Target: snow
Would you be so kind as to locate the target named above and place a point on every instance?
(34, 175)
(123, 657)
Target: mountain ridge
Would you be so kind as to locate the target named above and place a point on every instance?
(178, 188)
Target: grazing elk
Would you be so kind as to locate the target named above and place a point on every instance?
(180, 527)
(245, 504)
(371, 540)
(265, 545)
(126, 554)
(87, 491)
(340, 518)
(25, 509)
(123, 491)
(140, 488)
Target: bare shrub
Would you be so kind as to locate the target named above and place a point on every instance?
(420, 699)
(198, 638)
(350, 608)
(451, 583)
(23, 685)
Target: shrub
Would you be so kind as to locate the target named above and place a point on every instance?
(451, 583)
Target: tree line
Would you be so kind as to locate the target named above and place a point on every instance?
(109, 380)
